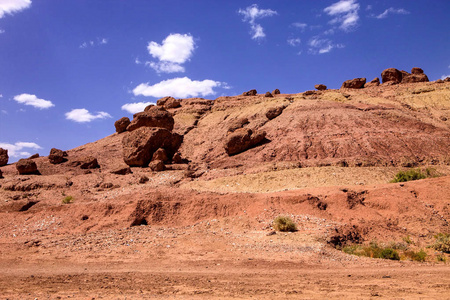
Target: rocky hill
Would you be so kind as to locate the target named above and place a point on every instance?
(324, 157)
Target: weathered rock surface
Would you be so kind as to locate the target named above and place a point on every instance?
(3, 157)
(152, 116)
(168, 102)
(121, 170)
(268, 95)
(26, 166)
(56, 156)
(412, 78)
(276, 92)
(160, 154)
(122, 124)
(238, 123)
(391, 74)
(356, 83)
(374, 82)
(320, 87)
(250, 93)
(139, 145)
(416, 71)
(36, 155)
(243, 139)
(157, 166)
(89, 162)
(274, 112)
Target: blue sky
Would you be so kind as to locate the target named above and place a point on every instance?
(69, 69)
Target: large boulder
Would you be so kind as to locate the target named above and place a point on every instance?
(122, 124)
(374, 82)
(168, 102)
(276, 92)
(357, 83)
(89, 162)
(250, 93)
(243, 139)
(268, 95)
(157, 166)
(152, 116)
(56, 156)
(416, 71)
(3, 157)
(274, 112)
(391, 74)
(160, 154)
(139, 145)
(26, 166)
(320, 87)
(412, 78)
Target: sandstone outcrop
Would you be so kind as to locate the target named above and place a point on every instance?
(168, 102)
(374, 82)
(320, 87)
(356, 83)
(392, 75)
(243, 139)
(3, 157)
(239, 123)
(89, 162)
(122, 124)
(26, 166)
(152, 116)
(250, 93)
(56, 156)
(36, 155)
(415, 77)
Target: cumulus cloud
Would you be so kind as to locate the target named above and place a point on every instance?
(251, 14)
(82, 115)
(165, 67)
(294, 42)
(391, 10)
(136, 107)
(12, 6)
(344, 13)
(320, 46)
(16, 150)
(182, 87)
(34, 101)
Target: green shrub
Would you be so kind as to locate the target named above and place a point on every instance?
(441, 258)
(389, 253)
(442, 242)
(282, 223)
(67, 200)
(408, 175)
(416, 256)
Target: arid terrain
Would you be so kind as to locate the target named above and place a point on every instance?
(196, 220)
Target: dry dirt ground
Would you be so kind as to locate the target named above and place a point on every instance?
(203, 230)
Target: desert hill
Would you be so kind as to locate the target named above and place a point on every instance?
(222, 171)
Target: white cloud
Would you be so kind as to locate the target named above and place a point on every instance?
(294, 42)
(321, 46)
(32, 100)
(2, 31)
(15, 150)
(82, 115)
(13, 6)
(391, 10)
(345, 13)
(165, 67)
(136, 107)
(252, 13)
(178, 87)
(301, 26)
(445, 76)
(97, 42)
(174, 50)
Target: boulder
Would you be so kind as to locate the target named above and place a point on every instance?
(404, 74)
(391, 75)
(89, 162)
(268, 95)
(34, 156)
(439, 81)
(357, 83)
(122, 124)
(276, 92)
(243, 139)
(168, 102)
(121, 170)
(3, 157)
(412, 78)
(26, 166)
(140, 144)
(309, 93)
(152, 116)
(56, 156)
(160, 154)
(320, 87)
(177, 159)
(416, 71)
(157, 166)
(374, 82)
(274, 112)
(236, 124)
(250, 93)
(447, 79)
